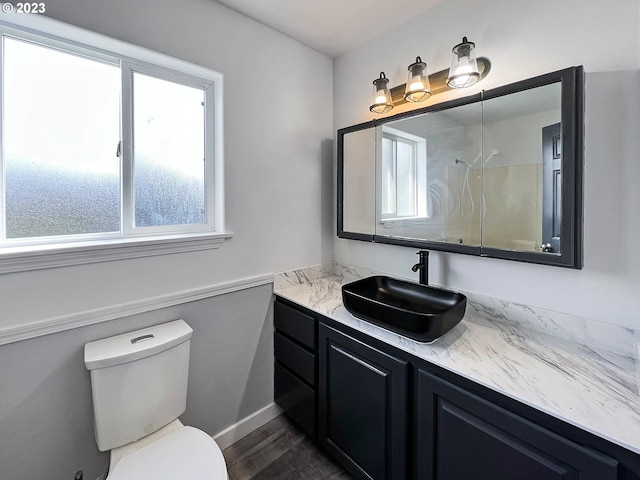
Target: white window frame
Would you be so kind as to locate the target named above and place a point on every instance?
(420, 167)
(141, 241)
(128, 69)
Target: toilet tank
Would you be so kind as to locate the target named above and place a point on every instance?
(138, 382)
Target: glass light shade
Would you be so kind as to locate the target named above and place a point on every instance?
(418, 88)
(464, 68)
(381, 101)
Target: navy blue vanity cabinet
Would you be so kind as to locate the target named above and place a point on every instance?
(464, 437)
(362, 399)
(295, 365)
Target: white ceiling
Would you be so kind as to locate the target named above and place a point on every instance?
(330, 26)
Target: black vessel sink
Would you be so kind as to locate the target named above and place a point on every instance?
(416, 311)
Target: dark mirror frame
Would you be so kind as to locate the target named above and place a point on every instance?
(572, 119)
(340, 182)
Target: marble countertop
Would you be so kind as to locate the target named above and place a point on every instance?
(590, 388)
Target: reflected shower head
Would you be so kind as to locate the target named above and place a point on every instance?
(493, 153)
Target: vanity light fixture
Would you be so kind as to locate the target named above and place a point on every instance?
(465, 71)
(464, 68)
(381, 102)
(418, 88)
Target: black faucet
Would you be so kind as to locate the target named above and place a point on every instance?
(423, 266)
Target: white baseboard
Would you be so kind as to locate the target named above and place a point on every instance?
(238, 430)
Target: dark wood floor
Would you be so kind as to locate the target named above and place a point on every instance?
(279, 450)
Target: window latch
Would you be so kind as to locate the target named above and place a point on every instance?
(119, 149)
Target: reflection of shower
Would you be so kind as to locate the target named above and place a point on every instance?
(467, 187)
(493, 153)
(465, 163)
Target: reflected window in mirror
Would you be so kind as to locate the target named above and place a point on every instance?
(403, 174)
(438, 182)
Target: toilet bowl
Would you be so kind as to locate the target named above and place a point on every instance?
(186, 452)
(139, 389)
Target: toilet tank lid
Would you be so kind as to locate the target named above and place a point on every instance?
(135, 345)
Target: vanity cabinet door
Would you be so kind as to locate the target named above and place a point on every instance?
(464, 437)
(362, 406)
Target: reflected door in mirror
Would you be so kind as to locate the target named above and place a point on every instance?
(513, 171)
(551, 188)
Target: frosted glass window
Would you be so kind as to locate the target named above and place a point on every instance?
(61, 128)
(168, 152)
(95, 147)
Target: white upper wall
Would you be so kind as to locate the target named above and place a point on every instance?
(277, 119)
(522, 40)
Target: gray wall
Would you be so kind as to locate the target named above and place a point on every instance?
(46, 417)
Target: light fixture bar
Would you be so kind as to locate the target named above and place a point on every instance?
(438, 82)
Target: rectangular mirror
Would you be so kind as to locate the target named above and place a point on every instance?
(496, 174)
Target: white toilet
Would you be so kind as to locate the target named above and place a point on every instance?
(139, 384)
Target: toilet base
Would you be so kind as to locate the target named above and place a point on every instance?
(119, 453)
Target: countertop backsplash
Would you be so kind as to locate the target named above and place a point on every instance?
(303, 275)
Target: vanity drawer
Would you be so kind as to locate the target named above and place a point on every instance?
(297, 325)
(296, 398)
(296, 358)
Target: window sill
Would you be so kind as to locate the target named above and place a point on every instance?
(22, 259)
(402, 221)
